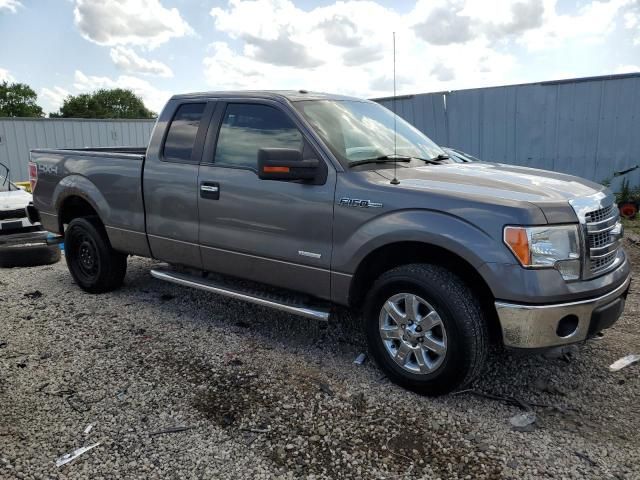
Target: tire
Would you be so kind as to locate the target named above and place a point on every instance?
(93, 264)
(448, 315)
(29, 256)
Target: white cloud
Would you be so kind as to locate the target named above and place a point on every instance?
(627, 69)
(590, 25)
(54, 97)
(11, 5)
(444, 26)
(5, 76)
(153, 97)
(346, 46)
(145, 23)
(631, 20)
(129, 61)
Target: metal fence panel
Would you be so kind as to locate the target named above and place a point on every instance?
(19, 135)
(586, 127)
(425, 111)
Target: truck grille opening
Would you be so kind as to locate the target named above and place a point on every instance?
(9, 214)
(602, 246)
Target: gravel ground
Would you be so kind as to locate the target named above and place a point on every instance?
(266, 395)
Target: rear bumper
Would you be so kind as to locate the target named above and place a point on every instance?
(24, 240)
(542, 326)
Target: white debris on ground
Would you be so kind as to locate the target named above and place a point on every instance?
(70, 457)
(624, 362)
(179, 383)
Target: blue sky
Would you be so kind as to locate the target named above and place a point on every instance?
(160, 47)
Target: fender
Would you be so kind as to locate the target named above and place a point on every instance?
(80, 186)
(441, 229)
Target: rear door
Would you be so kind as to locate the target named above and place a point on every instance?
(276, 232)
(171, 182)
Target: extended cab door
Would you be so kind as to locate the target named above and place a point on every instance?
(170, 181)
(276, 232)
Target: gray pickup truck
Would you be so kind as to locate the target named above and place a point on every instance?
(315, 199)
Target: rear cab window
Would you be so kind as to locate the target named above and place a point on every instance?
(181, 136)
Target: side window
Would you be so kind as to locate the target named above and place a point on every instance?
(247, 128)
(183, 129)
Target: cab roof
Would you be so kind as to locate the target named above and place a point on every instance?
(290, 95)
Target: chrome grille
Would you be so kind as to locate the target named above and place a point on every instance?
(599, 240)
(602, 235)
(600, 265)
(599, 215)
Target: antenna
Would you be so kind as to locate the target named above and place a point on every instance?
(395, 180)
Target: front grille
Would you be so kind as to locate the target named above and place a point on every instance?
(602, 245)
(17, 213)
(600, 265)
(599, 215)
(599, 240)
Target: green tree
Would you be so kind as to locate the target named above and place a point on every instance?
(104, 103)
(18, 100)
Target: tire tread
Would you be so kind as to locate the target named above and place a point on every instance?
(115, 266)
(470, 319)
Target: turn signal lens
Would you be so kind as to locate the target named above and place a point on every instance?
(275, 169)
(517, 240)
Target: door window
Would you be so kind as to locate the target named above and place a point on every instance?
(181, 136)
(246, 128)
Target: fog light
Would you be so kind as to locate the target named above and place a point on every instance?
(567, 326)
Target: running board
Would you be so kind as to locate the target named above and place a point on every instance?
(279, 302)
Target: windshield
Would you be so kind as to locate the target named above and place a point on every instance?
(355, 130)
(459, 156)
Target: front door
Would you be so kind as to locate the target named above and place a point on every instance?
(275, 232)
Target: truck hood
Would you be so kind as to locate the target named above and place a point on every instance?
(14, 199)
(493, 182)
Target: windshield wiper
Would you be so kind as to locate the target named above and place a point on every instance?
(381, 159)
(399, 158)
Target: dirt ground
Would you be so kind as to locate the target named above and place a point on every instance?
(260, 394)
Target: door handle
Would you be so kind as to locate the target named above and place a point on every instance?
(210, 190)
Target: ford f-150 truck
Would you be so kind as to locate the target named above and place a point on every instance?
(316, 199)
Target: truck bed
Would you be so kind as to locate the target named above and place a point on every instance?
(110, 177)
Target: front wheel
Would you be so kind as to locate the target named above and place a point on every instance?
(425, 329)
(94, 265)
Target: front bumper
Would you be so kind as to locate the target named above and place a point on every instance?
(542, 326)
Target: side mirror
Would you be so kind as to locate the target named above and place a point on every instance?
(285, 164)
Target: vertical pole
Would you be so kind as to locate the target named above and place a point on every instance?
(395, 147)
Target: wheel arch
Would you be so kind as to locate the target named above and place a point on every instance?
(76, 196)
(74, 206)
(400, 253)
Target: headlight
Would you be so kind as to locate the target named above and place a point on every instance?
(555, 246)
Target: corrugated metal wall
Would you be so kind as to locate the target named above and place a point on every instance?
(19, 135)
(588, 127)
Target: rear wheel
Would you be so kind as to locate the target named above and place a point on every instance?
(425, 329)
(94, 265)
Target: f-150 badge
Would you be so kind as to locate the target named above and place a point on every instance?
(356, 202)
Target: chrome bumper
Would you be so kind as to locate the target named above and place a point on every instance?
(537, 326)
